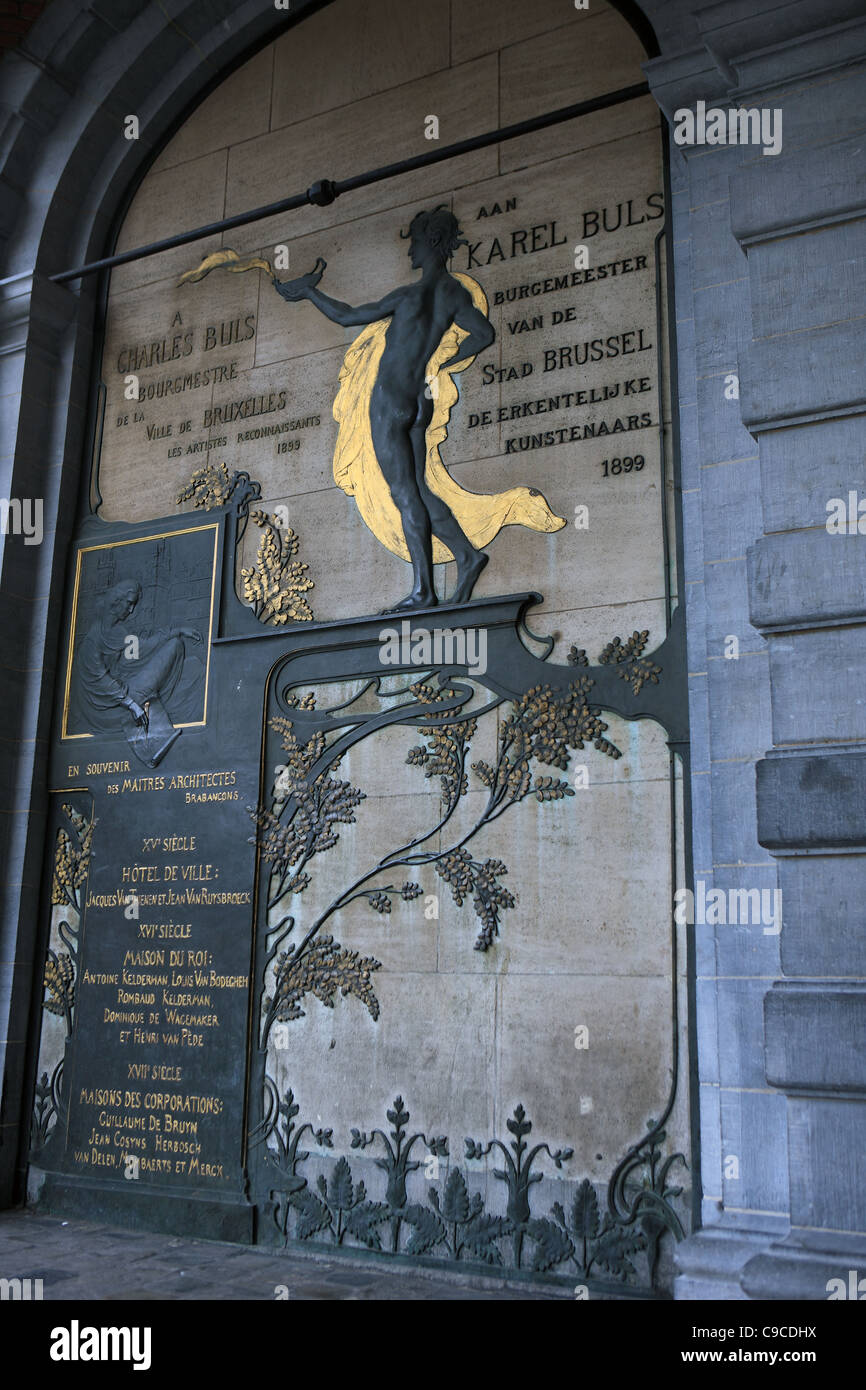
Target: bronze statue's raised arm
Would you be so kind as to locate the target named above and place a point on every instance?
(351, 315)
(347, 315)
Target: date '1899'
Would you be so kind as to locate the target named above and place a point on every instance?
(612, 467)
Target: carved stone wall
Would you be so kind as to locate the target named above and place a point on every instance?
(782, 1112)
(492, 942)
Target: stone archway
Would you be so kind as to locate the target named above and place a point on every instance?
(65, 186)
(545, 237)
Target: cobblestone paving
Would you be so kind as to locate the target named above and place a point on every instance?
(85, 1260)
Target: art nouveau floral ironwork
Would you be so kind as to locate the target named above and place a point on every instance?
(276, 581)
(72, 851)
(631, 664)
(275, 584)
(543, 726)
(453, 1225)
(577, 1236)
(71, 864)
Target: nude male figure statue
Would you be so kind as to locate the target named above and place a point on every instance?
(401, 406)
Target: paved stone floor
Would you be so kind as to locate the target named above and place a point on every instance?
(85, 1260)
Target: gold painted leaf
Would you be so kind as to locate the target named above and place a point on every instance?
(228, 259)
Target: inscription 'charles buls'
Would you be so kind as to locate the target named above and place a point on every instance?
(136, 356)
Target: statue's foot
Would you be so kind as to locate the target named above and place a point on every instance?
(411, 601)
(467, 576)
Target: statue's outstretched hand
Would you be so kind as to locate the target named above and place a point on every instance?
(293, 290)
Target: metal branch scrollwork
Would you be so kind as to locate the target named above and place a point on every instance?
(639, 1194)
(71, 866)
(275, 583)
(71, 861)
(213, 486)
(72, 853)
(631, 664)
(288, 841)
(322, 969)
(310, 804)
(43, 1113)
(59, 980)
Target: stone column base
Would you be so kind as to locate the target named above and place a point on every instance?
(815, 1266)
(732, 1263)
(710, 1263)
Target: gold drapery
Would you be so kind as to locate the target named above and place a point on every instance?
(357, 471)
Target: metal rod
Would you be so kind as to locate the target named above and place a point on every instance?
(325, 191)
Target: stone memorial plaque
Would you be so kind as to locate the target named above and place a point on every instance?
(148, 966)
(368, 773)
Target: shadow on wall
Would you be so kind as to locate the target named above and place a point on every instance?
(17, 18)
